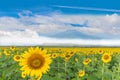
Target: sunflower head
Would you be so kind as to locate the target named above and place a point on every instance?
(106, 57)
(71, 53)
(62, 55)
(67, 56)
(100, 51)
(23, 75)
(54, 55)
(91, 52)
(87, 61)
(17, 58)
(12, 47)
(35, 62)
(6, 52)
(0, 54)
(81, 73)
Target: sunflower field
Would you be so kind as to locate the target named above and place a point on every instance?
(59, 63)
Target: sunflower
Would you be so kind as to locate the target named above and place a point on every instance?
(87, 61)
(6, 52)
(23, 75)
(0, 54)
(35, 62)
(71, 53)
(81, 73)
(17, 58)
(62, 55)
(106, 57)
(67, 56)
(100, 51)
(54, 55)
(12, 47)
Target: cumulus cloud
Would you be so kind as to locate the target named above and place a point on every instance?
(32, 29)
(108, 24)
(32, 38)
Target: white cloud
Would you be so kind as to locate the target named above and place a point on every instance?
(32, 38)
(108, 24)
(27, 30)
(24, 34)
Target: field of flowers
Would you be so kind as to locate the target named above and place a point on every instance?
(59, 63)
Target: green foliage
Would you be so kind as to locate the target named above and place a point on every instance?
(65, 70)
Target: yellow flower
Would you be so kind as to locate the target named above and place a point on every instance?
(62, 55)
(23, 75)
(91, 52)
(71, 53)
(87, 61)
(17, 58)
(6, 52)
(35, 62)
(100, 52)
(54, 55)
(67, 56)
(12, 47)
(106, 57)
(38, 78)
(0, 54)
(81, 73)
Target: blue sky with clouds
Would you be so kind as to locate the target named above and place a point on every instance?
(41, 22)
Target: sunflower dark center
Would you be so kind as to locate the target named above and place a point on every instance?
(17, 57)
(36, 61)
(87, 61)
(54, 55)
(67, 56)
(81, 73)
(106, 57)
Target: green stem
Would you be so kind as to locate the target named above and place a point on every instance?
(119, 69)
(103, 71)
(58, 69)
(65, 67)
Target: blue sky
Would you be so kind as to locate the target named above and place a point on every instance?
(59, 21)
(11, 7)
